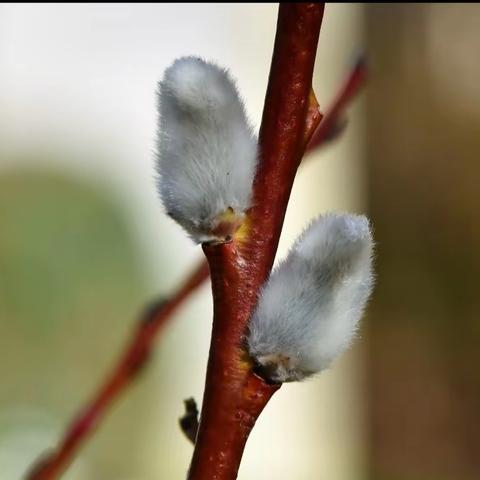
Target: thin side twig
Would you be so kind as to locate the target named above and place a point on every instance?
(136, 354)
(333, 122)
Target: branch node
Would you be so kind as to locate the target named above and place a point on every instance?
(189, 421)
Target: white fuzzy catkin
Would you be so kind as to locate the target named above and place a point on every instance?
(308, 310)
(207, 152)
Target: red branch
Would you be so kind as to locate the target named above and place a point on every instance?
(332, 121)
(136, 354)
(234, 396)
(53, 464)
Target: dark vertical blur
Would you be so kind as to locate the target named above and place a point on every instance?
(424, 188)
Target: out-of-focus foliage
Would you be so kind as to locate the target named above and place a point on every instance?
(69, 287)
(63, 246)
(424, 332)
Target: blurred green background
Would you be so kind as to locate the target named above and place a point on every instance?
(84, 244)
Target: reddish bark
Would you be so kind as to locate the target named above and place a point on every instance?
(234, 396)
(334, 121)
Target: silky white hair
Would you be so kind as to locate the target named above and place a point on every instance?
(308, 311)
(207, 151)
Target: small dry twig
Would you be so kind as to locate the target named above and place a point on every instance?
(189, 420)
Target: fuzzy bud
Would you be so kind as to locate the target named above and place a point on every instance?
(207, 152)
(309, 309)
